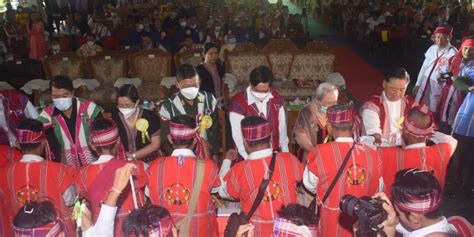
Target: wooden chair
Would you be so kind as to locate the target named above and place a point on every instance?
(64, 63)
(191, 56)
(280, 53)
(151, 66)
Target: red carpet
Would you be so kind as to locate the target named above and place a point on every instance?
(362, 79)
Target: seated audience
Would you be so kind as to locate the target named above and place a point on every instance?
(90, 48)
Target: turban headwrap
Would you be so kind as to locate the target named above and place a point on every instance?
(183, 132)
(49, 230)
(447, 30)
(256, 132)
(420, 204)
(285, 228)
(107, 137)
(162, 228)
(416, 130)
(25, 136)
(341, 116)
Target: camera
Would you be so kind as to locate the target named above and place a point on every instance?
(445, 76)
(368, 211)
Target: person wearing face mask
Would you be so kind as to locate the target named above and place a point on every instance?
(69, 118)
(127, 117)
(196, 32)
(171, 22)
(193, 102)
(311, 125)
(262, 100)
(216, 34)
(382, 115)
(428, 88)
(90, 48)
(134, 37)
(182, 32)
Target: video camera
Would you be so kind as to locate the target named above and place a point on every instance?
(368, 211)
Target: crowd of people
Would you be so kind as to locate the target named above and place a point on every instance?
(167, 26)
(75, 169)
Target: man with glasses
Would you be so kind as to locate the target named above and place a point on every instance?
(261, 100)
(191, 101)
(382, 115)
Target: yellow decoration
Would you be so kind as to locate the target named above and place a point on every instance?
(384, 35)
(400, 122)
(206, 123)
(142, 126)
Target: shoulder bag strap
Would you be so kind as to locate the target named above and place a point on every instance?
(184, 224)
(336, 178)
(263, 187)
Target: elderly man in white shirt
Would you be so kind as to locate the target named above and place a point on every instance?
(261, 100)
(382, 115)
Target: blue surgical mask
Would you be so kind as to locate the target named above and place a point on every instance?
(323, 109)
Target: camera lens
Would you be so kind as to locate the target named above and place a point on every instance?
(348, 205)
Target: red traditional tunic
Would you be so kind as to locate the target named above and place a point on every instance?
(14, 105)
(378, 105)
(171, 182)
(9, 155)
(245, 177)
(432, 158)
(359, 178)
(85, 179)
(239, 104)
(35, 181)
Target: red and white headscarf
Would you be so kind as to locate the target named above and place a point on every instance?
(341, 116)
(447, 30)
(457, 59)
(420, 204)
(107, 137)
(416, 130)
(285, 228)
(49, 230)
(25, 136)
(183, 132)
(256, 132)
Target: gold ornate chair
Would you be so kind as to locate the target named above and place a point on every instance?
(240, 62)
(310, 68)
(64, 63)
(151, 66)
(191, 56)
(106, 67)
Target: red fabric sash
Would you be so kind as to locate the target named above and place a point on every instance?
(102, 184)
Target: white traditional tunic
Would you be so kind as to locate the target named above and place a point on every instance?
(436, 62)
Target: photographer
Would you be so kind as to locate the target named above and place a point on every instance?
(417, 200)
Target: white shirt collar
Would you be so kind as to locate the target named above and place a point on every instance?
(344, 139)
(251, 99)
(388, 101)
(260, 154)
(103, 159)
(183, 152)
(442, 226)
(415, 145)
(31, 158)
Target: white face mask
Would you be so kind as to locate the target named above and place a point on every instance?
(56, 48)
(184, 24)
(127, 112)
(189, 93)
(232, 41)
(63, 104)
(90, 43)
(261, 96)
